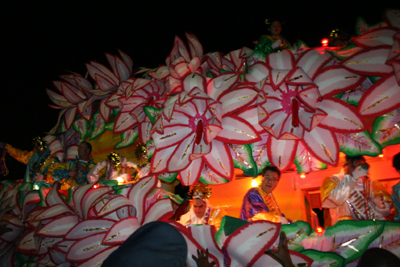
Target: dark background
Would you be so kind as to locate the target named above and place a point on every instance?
(44, 39)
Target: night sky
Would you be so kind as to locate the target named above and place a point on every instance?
(44, 39)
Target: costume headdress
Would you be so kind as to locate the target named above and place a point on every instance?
(114, 159)
(271, 20)
(141, 152)
(338, 34)
(200, 191)
(40, 143)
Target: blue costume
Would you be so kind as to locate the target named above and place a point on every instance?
(60, 172)
(259, 205)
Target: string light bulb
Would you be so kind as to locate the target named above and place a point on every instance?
(319, 230)
(254, 182)
(380, 155)
(120, 180)
(325, 42)
(303, 175)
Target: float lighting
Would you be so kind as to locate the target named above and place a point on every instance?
(325, 42)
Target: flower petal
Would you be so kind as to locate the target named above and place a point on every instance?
(281, 153)
(381, 98)
(323, 145)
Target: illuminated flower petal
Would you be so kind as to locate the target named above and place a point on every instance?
(281, 153)
(381, 98)
(86, 248)
(283, 60)
(311, 61)
(375, 38)
(89, 227)
(305, 162)
(246, 253)
(219, 159)
(159, 210)
(341, 117)
(322, 144)
(191, 174)
(138, 193)
(369, 62)
(335, 79)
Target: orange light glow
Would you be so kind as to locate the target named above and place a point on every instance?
(120, 180)
(303, 176)
(325, 42)
(319, 230)
(380, 155)
(254, 183)
(96, 186)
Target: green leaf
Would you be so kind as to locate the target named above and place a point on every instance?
(351, 238)
(110, 126)
(98, 125)
(242, 159)
(168, 177)
(357, 144)
(386, 129)
(320, 258)
(127, 138)
(152, 113)
(295, 233)
(81, 126)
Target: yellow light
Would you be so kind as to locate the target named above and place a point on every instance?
(319, 230)
(95, 186)
(303, 176)
(120, 180)
(380, 155)
(254, 183)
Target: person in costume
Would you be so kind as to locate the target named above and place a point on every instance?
(114, 168)
(351, 195)
(73, 173)
(274, 42)
(259, 203)
(37, 161)
(201, 212)
(396, 189)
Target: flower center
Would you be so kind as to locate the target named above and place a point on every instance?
(196, 123)
(287, 101)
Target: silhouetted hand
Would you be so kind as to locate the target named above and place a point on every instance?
(282, 255)
(202, 259)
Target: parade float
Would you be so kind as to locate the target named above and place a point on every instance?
(215, 119)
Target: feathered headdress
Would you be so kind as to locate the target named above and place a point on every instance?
(114, 159)
(39, 143)
(200, 191)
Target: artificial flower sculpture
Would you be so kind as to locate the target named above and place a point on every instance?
(380, 57)
(296, 105)
(81, 228)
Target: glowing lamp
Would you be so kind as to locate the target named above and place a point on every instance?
(325, 42)
(120, 180)
(319, 230)
(96, 186)
(254, 183)
(303, 176)
(35, 187)
(380, 155)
